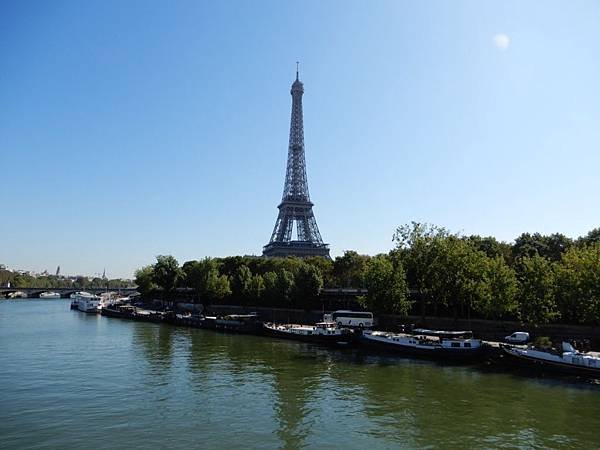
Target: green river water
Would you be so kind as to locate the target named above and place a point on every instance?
(70, 380)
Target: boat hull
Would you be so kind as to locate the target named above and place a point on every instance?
(543, 366)
(344, 339)
(430, 352)
(233, 326)
(109, 312)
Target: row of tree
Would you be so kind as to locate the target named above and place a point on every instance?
(289, 282)
(430, 271)
(21, 280)
(538, 279)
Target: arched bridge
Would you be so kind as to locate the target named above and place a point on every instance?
(64, 292)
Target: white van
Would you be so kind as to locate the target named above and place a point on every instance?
(518, 337)
(359, 319)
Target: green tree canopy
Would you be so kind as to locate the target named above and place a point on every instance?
(167, 272)
(257, 288)
(419, 246)
(386, 283)
(308, 285)
(240, 283)
(591, 238)
(551, 247)
(537, 280)
(204, 277)
(500, 296)
(144, 279)
(349, 270)
(578, 284)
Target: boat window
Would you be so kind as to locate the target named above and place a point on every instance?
(455, 344)
(467, 344)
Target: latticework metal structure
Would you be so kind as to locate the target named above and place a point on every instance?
(295, 206)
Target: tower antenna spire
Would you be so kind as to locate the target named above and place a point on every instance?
(297, 70)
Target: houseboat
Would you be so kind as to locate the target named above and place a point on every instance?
(566, 360)
(434, 344)
(235, 323)
(120, 311)
(89, 304)
(78, 298)
(322, 333)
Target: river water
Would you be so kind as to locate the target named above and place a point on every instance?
(70, 380)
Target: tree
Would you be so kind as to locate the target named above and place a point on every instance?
(82, 282)
(386, 284)
(270, 283)
(500, 298)
(578, 284)
(286, 284)
(309, 283)
(348, 270)
(419, 246)
(536, 278)
(590, 238)
(240, 283)
(492, 247)
(167, 273)
(197, 274)
(257, 288)
(551, 247)
(217, 286)
(325, 266)
(203, 276)
(144, 279)
(460, 281)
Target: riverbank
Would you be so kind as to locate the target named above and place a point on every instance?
(484, 350)
(490, 330)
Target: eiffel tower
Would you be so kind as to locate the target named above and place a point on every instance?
(295, 204)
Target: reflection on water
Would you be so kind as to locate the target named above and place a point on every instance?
(157, 385)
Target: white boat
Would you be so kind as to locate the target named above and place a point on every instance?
(89, 304)
(428, 343)
(322, 332)
(84, 301)
(108, 299)
(47, 295)
(566, 360)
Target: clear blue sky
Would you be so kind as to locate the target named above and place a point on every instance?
(135, 128)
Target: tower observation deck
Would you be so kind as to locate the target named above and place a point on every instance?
(295, 206)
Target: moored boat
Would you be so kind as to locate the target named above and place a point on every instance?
(84, 301)
(89, 304)
(49, 295)
(322, 332)
(433, 344)
(566, 360)
(108, 299)
(237, 323)
(121, 311)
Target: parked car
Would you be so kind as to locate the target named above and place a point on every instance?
(518, 337)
